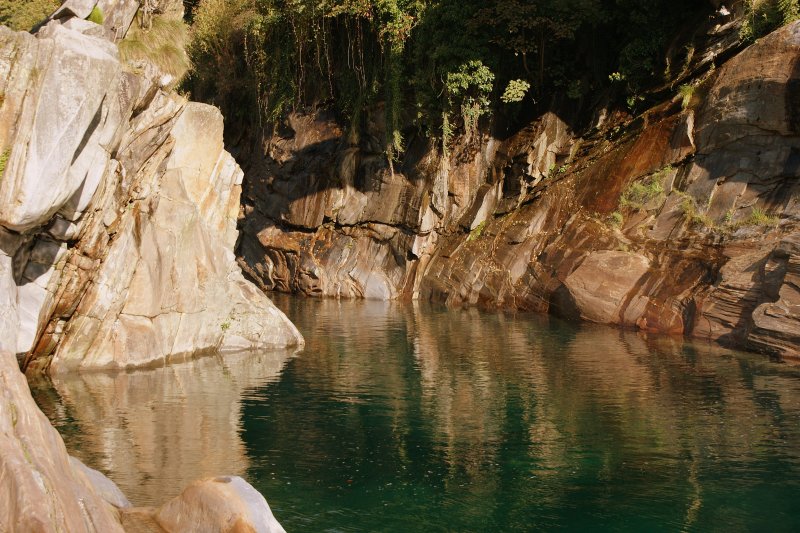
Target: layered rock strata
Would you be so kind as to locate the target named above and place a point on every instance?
(118, 208)
(681, 220)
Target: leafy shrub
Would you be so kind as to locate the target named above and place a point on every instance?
(515, 91)
(468, 88)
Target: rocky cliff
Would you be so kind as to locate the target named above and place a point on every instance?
(118, 208)
(683, 219)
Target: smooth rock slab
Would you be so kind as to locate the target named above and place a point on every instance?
(600, 285)
(40, 490)
(219, 504)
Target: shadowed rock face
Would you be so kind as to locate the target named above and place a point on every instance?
(538, 221)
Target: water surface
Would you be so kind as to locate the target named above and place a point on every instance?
(407, 418)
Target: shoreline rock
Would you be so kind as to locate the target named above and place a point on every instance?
(521, 222)
(117, 229)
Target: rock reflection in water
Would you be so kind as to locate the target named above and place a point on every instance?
(155, 431)
(465, 420)
(411, 418)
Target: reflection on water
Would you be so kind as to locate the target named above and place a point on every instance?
(155, 431)
(401, 418)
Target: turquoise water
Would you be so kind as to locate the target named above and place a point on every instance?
(401, 418)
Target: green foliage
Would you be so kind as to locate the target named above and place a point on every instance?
(686, 93)
(162, 45)
(515, 91)
(96, 15)
(435, 65)
(4, 160)
(763, 16)
(640, 193)
(225, 326)
(468, 89)
(25, 14)
(616, 219)
(477, 232)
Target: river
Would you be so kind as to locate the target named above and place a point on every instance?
(409, 418)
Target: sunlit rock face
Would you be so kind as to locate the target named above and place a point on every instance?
(533, 221)
(118, 218)
(118, 207)
(219, 504)
(39, 488)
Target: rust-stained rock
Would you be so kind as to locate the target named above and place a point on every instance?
(524, 222)
(597, 290)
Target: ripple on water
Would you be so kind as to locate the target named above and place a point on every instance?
(410, 418)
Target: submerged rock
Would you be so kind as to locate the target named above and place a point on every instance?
(218, 504)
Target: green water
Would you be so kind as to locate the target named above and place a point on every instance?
(404, 419)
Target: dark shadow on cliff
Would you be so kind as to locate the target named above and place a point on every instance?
(295, 173)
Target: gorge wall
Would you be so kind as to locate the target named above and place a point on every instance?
(118, 208)
(681, 220)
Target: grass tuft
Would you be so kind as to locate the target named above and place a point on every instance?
(23, 15)
(163, 45)
(758, 217)
(640, 193)
(693, 214)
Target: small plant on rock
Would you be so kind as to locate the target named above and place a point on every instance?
(4, 160)
(686, 93)
(759, 217)
(692, 212)
(477, 232)
(96, 15)
(640, 193)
